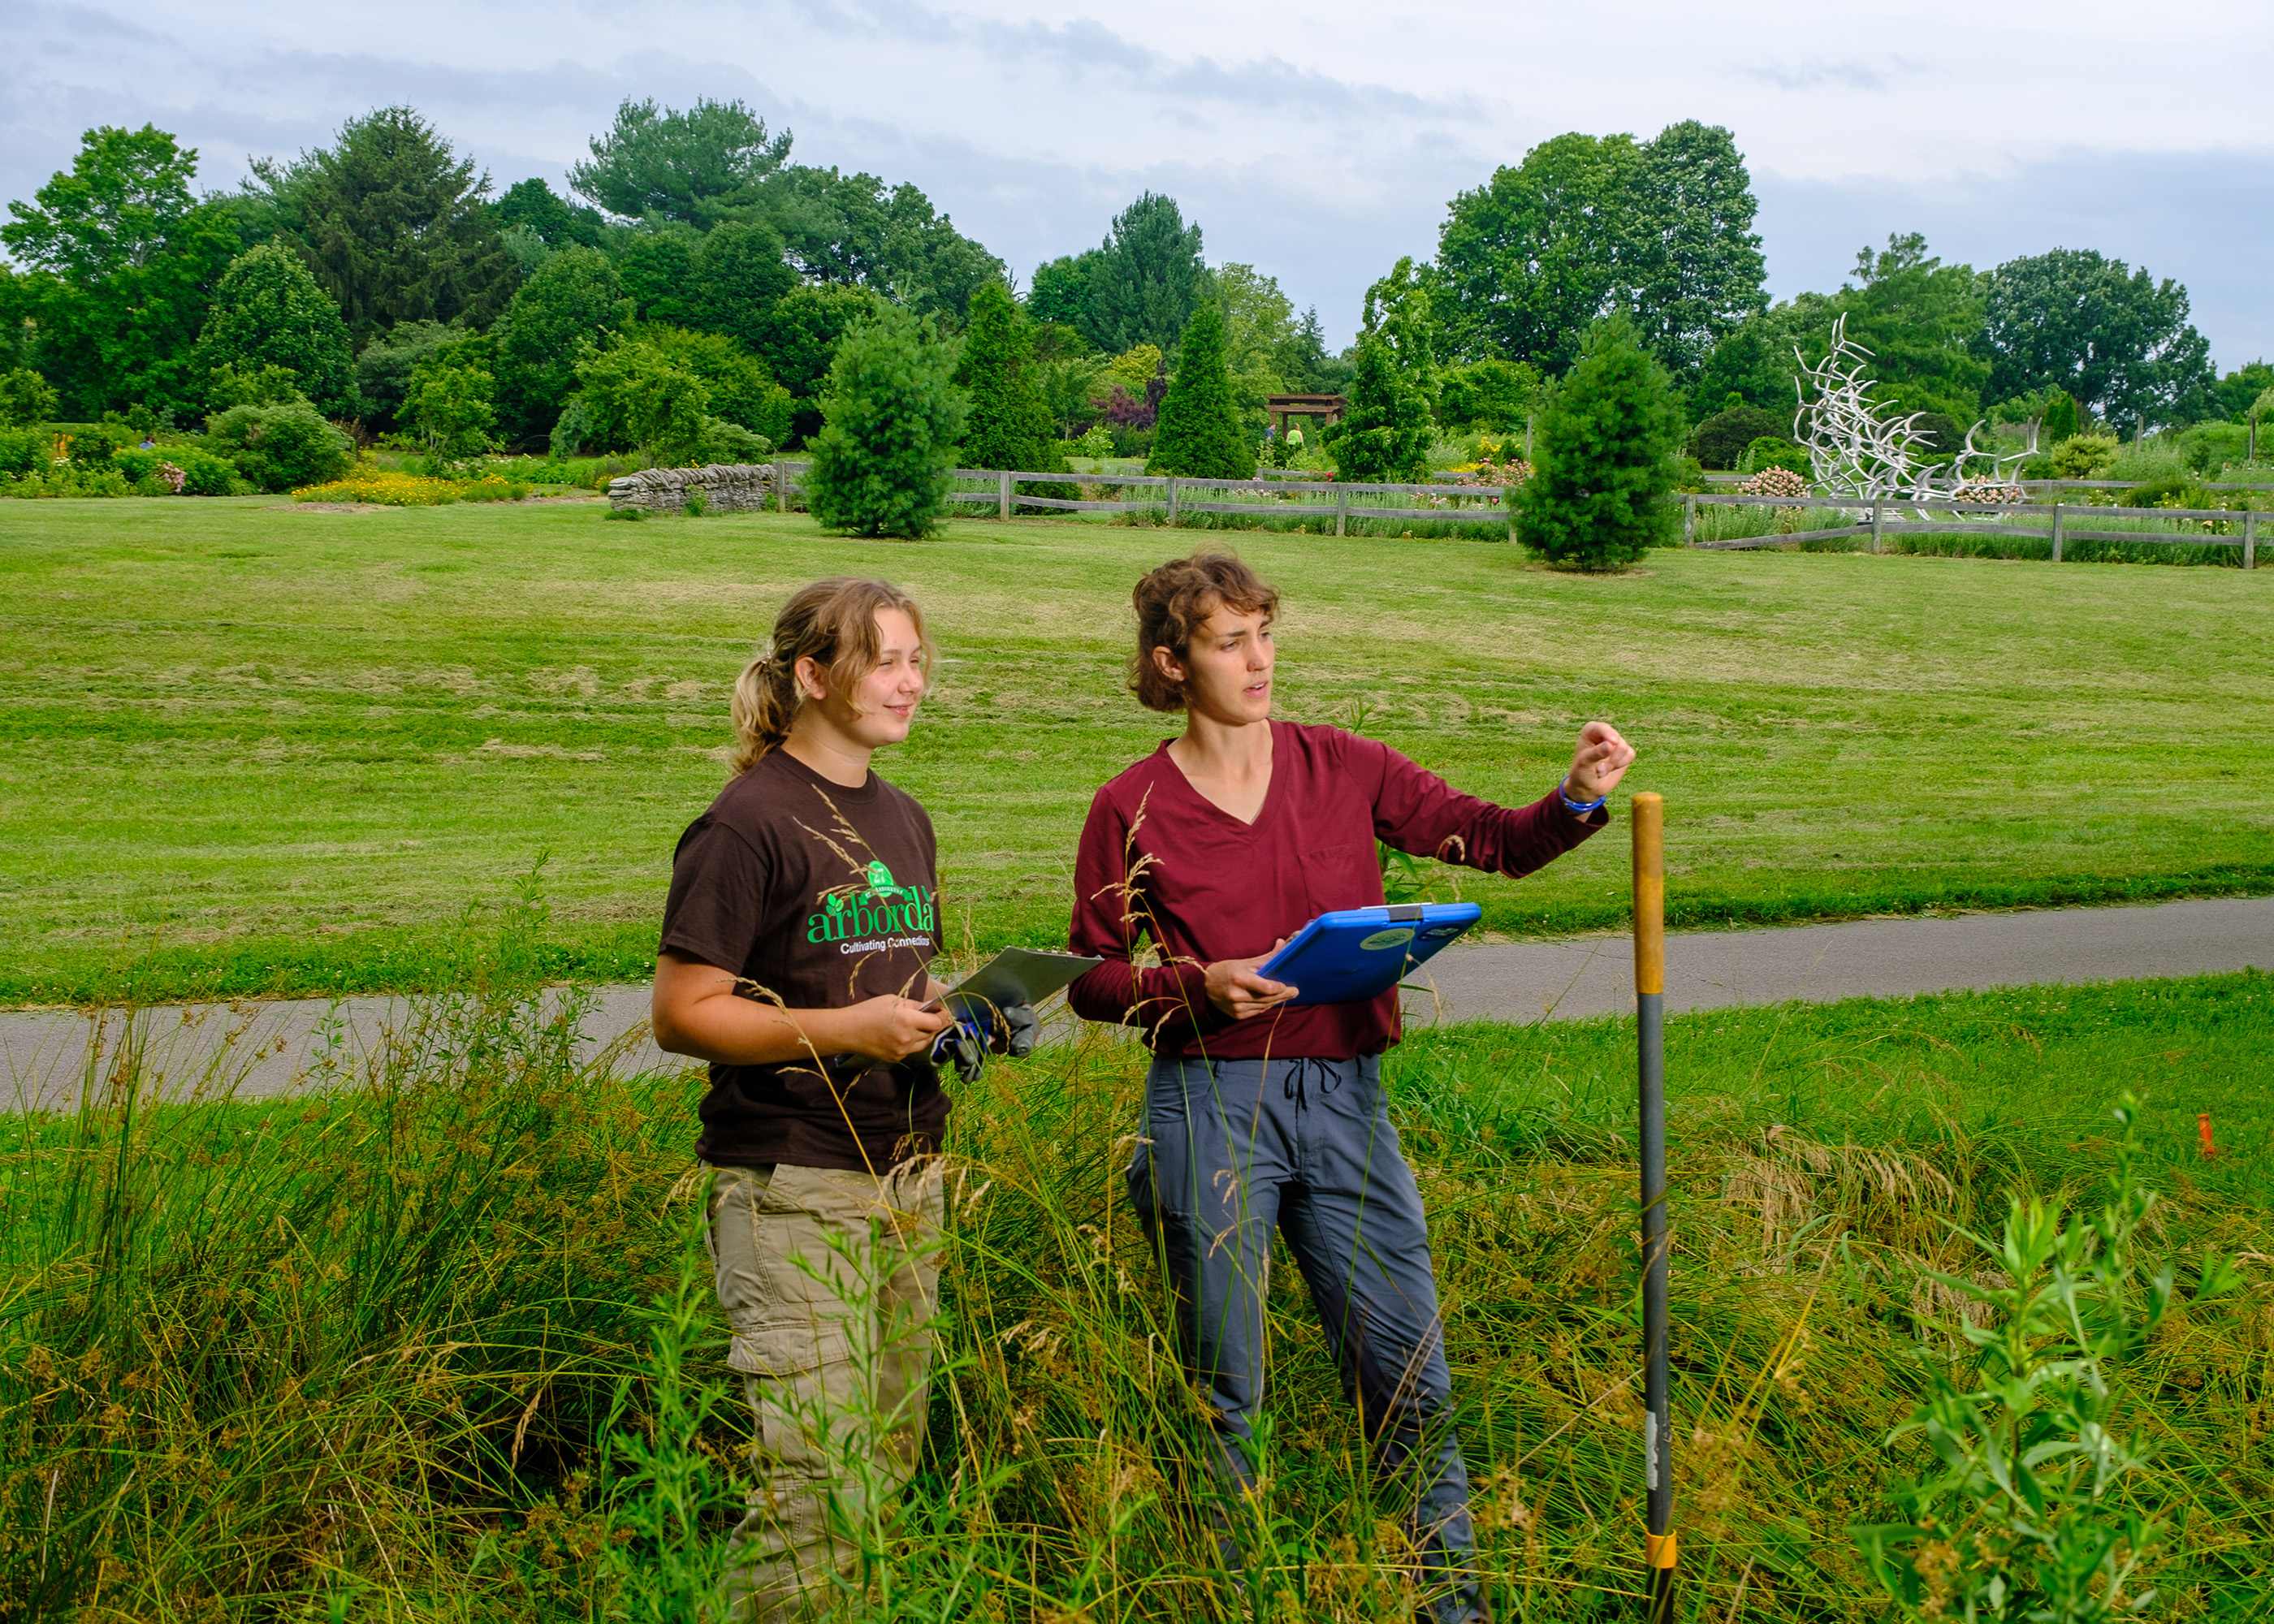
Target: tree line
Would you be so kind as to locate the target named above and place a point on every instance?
(691, 293)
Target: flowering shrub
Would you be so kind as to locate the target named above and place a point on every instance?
(1774, 482)
(1981, 488)
(175, 477)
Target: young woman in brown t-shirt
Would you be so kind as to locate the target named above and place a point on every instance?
(796, 958)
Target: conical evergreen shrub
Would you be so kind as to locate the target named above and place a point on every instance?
(1199, 431)
(1604, 456)
(1009, 427)
(1384, 435)
(1010, 424)
(884, 462)
(1386, 432)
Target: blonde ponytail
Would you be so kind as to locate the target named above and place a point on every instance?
(833, 623)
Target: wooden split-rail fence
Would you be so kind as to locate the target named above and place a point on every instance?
(1335, 502)
(1950, 518)
(1338, 502)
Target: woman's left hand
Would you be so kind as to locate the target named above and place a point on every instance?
(1599, 763)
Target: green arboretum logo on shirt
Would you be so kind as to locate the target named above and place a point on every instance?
(884, 909)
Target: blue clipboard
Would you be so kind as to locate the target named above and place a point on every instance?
(1353, 954)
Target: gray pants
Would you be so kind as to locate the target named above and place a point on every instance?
(1237, 1146)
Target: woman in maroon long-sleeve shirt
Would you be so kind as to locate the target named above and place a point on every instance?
(1258, 1113)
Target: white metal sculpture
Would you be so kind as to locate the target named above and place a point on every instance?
(1858, 449)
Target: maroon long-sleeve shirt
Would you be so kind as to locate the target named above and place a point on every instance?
(1158, 859)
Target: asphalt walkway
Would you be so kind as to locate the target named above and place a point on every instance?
(275, 1048)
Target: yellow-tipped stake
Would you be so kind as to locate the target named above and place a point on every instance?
(1648, 813)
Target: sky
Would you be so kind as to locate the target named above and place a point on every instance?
(1318, 142)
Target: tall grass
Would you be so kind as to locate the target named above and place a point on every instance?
(387, 1350)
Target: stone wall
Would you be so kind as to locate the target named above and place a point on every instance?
(737, 487)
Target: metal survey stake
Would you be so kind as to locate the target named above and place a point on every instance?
(1648, 813)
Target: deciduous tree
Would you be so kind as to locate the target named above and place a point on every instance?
(121, 260)
(1585, 225)
(452, 406)
(575, 298)
(2115, 338)
(268, 312)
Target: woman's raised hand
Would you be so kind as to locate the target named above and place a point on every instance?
(1599, 763)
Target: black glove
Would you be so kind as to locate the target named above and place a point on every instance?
(986, 1029)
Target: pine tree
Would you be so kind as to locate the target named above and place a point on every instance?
(1198, 434)
(885, 459)
(1605, 453)
(1009, 425)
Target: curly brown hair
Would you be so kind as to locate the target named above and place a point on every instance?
(1174, 601)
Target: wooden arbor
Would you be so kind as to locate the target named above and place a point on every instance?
(1283, 406)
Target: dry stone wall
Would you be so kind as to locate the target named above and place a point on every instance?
(727, 488)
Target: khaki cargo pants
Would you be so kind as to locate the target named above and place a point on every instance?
(830, 1281)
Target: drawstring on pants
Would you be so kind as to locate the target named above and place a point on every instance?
(1329, 1075)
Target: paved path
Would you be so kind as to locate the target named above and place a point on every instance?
(268, 1046)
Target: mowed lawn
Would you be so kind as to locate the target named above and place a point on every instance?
(246, 748)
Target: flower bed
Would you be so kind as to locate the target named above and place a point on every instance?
(390, 489)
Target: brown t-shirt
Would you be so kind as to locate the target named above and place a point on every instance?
(819, 895)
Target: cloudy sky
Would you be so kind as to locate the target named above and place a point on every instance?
(1317, 141)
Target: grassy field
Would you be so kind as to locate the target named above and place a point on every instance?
(248, 749)
(354, 1357)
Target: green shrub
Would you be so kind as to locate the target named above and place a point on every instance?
(25, 399)
(891, 417)
(2083, 456)
(1775, 451)
(726, 442)
(277, 448)
(24, 452)
(1723, 438)
(204, 474)
(1605, 455)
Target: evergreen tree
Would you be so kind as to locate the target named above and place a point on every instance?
(1198, 432)
(1605, 456)
(891, 417)
(1010, 424)
(268, 312)
(1148, 279)
(1385, 434)
(393, 223)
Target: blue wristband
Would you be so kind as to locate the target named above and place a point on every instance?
(1578, 808)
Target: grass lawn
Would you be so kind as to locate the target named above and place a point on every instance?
(244, 748)
(353, 1355)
